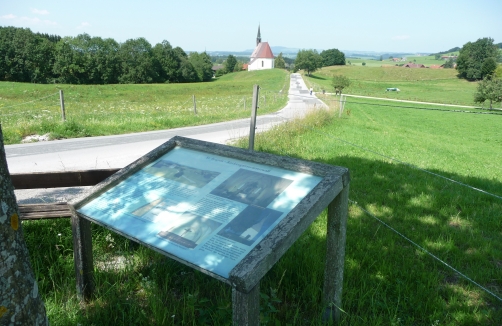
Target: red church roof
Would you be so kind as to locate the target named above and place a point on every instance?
(262, 50)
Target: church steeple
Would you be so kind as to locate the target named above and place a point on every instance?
(258, 37)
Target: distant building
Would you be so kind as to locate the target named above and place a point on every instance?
(413, 65)
(436, 66)
(262, 56)
(448, 57)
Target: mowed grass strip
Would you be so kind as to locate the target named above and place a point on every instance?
(96, 110)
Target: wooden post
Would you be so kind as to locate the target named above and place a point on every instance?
(61, 100)
(82, 253)
(194, 105)
(246, 307)
(340, 107)
(254, 108)
(335, 256)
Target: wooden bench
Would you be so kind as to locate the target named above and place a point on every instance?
(63, 179)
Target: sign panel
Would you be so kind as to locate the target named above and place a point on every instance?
(203, 208)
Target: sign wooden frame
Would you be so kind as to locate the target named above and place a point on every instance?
(244, 278)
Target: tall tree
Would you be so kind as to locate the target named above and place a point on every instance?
(472, 56)
(308, 60)
(280, 62)
(20, 302)
(169, 62)
(332, 57)
(489, 89)
(202, 65)
(230, 63)
(25, 56)
(137, 62)
(69, 65)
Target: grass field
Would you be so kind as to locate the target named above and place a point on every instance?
(427, 85)
(391, 277)
(94, 110)
(370, 62)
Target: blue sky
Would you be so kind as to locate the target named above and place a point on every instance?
(216, 25)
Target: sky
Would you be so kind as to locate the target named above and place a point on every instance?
(424, 26)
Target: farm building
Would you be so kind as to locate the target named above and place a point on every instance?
(262, 56)
(413, 65)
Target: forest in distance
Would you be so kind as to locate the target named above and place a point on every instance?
(42, 58)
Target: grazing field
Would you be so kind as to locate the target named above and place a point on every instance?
(95, 110)
(415, 84)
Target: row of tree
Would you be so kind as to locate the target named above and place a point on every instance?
(311, 60)
(39, 58)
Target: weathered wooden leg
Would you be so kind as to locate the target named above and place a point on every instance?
(82, 252)
(246, 307)
(335, 256)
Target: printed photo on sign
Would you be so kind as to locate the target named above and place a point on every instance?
(190, 230)
(252, 188)
(181, 173)
(250, 224)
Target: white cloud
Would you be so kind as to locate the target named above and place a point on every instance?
(83, 25)
(9, 16)
(39, 12)
(400, 37)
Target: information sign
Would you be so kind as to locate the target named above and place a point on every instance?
(206, 209)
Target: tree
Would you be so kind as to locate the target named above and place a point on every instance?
(339, 82)
(472, 56)
(202, 65)
(230, 63)
(488, 67)
(238, 66)
(20, 302)
(137, 62)
(169, 62)
(449, 64)
(279, 62)
(25, 56)
(489, 89)
(308, 60)
(332, 57)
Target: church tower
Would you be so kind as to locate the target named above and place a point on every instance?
(258, 37)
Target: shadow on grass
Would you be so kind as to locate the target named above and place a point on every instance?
(318, 77)
(387, 279)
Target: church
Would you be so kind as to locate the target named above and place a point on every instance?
(262, 56)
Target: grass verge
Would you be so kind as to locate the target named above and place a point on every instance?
(98, 110)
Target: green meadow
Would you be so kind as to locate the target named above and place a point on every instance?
(416, 84)
(99, 110)
(424, 233)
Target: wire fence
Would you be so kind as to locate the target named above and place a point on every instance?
(49, 107)
(401, 234)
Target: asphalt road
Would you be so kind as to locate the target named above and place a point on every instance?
(121, 150)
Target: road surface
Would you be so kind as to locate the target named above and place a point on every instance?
(119, 151)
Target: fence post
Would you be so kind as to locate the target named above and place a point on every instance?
(254, 108)
(61, 99)
(341, 106)
(194, 105)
